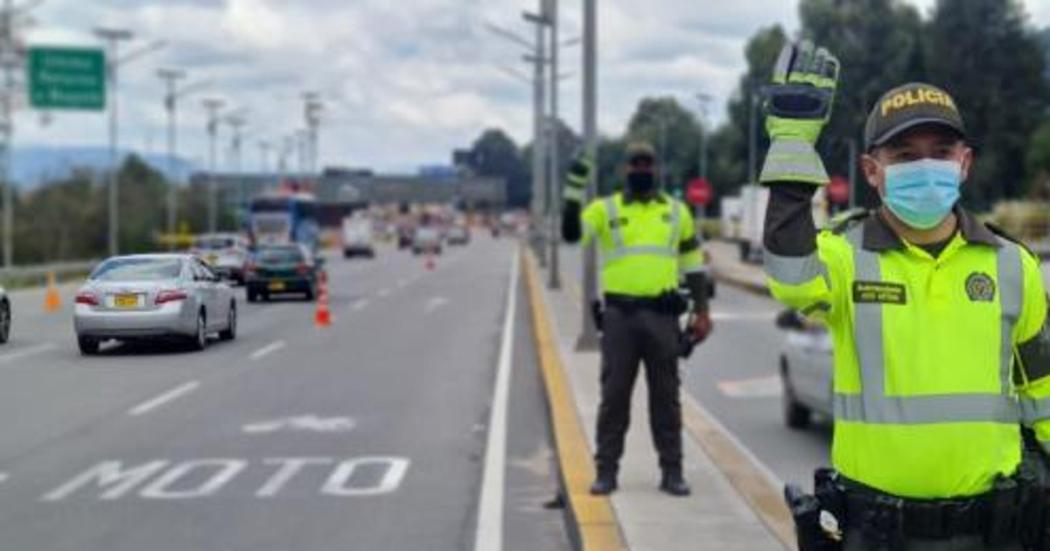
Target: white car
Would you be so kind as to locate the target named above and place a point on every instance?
(226, 253)
(162, 296)
(806, 368)
(358, 237)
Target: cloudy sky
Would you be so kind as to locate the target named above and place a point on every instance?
(404, 81)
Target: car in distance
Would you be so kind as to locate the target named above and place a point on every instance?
(280, 269)
(806, 368)
(358, 238)
(162, 296)
(426, 240)
(458, 234)
(226, 253)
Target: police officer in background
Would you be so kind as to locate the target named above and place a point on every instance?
(647, 242)
(938, 323)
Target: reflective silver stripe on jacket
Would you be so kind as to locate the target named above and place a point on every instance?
(792, 270)
(873, 406)
(621, 250)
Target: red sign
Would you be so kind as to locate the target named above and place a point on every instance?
(699, 192)
(838, 190)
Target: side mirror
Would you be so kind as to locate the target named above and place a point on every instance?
(790, 320)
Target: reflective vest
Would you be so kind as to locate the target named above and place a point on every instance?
(924, 400)
(645, 246)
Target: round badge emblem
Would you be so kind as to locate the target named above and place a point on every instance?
(980, 287)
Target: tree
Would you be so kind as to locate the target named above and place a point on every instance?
(674, 132)
(729, 144)
(1037, 162)
(494, 153)
(878, 45)
(993, 65)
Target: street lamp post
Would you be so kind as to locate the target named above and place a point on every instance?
(212, 105)
(171, 78)
(588, 339)
(113, 37)
(556, 177)
(237, 123)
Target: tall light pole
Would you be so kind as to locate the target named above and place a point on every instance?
(237, 123)
(212, 105)
(588, 339)
(11, 57)
(171, 78)
(752, 138)
(171, 98)
(264, 156)
(113, 37)
(537, 56)
(551, 14)
(312, 106)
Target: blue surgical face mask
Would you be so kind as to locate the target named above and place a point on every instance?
(922, 193)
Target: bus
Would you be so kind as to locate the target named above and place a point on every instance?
(284, 219)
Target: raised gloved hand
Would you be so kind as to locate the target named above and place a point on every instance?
(577, 179)
(798, 106)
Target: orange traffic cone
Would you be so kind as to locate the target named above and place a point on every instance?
(323, 316)
(430, 262)
(52, 300)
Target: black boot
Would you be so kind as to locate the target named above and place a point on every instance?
(674, 484)
(605, 484)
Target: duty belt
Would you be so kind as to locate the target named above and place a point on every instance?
(935, 519)
(669, 302)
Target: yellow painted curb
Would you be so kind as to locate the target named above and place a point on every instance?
(593, 521)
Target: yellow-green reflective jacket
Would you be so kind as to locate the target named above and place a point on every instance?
(645, 246)
(936, 362)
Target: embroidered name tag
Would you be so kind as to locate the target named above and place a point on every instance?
(879, 292)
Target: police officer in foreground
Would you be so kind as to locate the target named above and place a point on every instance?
(938, 323)
(647, 242)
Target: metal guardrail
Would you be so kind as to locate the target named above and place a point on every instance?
(41, 270)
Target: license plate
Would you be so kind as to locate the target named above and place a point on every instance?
(277, 286)
(126, 301)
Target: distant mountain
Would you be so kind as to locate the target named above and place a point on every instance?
(32, 166)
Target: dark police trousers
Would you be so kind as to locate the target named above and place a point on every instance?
(630, 336)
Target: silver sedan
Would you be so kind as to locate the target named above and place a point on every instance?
(151, 297)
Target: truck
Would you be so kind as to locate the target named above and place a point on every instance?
(744, 218)
(358, 237)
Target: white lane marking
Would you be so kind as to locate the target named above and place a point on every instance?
(359, 304)
(743, 316)
(759, 387)
(402, 283)
(163, 479)
(4, 477)
(434, 304)
(154, 403)
(384, 293)
(305, 423)
(31, 351)
(267, 350)
(489, 535)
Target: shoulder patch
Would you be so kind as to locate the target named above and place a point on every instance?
(1003, 234)
(842, 221)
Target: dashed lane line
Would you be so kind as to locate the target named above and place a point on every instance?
(173, 394)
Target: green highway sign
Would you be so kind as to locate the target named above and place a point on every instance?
(67, 78)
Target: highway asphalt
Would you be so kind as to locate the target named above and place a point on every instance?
(371, 434)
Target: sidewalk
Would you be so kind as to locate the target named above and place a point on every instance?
(733, 506)
(727, 267)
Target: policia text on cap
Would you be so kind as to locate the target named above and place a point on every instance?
(938, 323)
(647, 241)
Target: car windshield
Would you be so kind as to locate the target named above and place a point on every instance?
(279, 255)
(426, 233)
(138, 269)
(215, 243)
